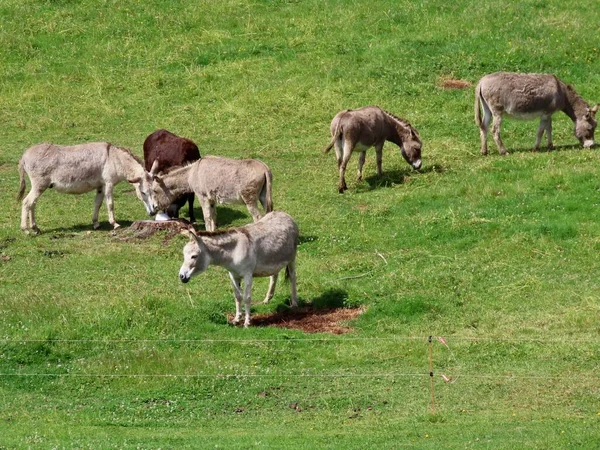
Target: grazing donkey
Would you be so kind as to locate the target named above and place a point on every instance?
(78, 169)
(527, 96)
(259, 249)
(217, 180)
(171, 150)
(361, 129)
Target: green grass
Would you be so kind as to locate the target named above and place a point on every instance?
(102, 347)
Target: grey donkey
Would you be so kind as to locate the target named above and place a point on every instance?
(529, 96)
(370, 126)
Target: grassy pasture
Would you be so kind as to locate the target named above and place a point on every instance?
(102, 347)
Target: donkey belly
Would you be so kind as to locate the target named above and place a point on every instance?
(267, 270)
(75, 186)
(526, 115)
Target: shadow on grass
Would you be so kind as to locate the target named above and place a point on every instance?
(543, 149)
(225, 217)
(395, 177)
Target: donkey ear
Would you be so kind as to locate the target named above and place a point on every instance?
(191, 233)
(134, 180)
(154, 168)
(594, 109)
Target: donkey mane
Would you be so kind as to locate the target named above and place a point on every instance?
(173, 169)
(216, 233)
(126, 151)
(405, 123)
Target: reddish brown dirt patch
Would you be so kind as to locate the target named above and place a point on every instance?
(450, 83)
(310, 320)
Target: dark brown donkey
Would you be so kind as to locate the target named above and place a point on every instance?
(170, 150)
(361, 129)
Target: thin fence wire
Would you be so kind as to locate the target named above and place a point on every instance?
(454, 369)
(302, 339)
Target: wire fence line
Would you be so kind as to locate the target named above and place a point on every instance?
(451, 364)
(304, 339)
(299, 375)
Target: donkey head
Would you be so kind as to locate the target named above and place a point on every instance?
(585, 126)
(195, 257)
(161, 193)
(143, 190)
(411, 148)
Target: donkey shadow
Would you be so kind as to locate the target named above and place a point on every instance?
(84, 227)
(543, 149)
(393, 177)
(225, 216)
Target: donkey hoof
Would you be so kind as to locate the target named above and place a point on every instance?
(96, 225)
(116, 225)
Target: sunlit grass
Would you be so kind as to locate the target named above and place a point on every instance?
(499, 255)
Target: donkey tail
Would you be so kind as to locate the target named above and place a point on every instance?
(335, 135)
(268, 191)
(478, 105)
(22, 187)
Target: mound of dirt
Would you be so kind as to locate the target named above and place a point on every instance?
(310, 320)
(145, 228)
(450, 83)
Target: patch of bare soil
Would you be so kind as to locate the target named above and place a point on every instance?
(310, 320)
(451, 83)
(142, 229)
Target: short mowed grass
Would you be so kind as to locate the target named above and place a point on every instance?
(102, 347)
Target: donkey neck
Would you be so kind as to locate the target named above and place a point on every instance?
(177, 182)
(125, 164)
(220, 246)
(576, 106)
(398, 130)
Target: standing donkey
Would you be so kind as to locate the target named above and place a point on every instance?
(171, 150)
(370, 126)
(217, 180)
(78, 169)
(259, 249)
(527, 96)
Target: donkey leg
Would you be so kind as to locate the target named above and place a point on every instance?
(247, 299)
(271, 290)
(347, 153)
(97, 203)
(539, 134)
(28, 210)
(361, 162)
(191, 207)
(549, 133)
(108, 191)
(484, 127)
(496, 131)
(237, 293)
(253, 208)
(207, 212)
(379, 155)
(291, 270)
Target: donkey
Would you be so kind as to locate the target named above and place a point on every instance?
(78, 169)
(171, 150)
(527, 96)
(259, 249)
(370, 126)
(217, 180)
